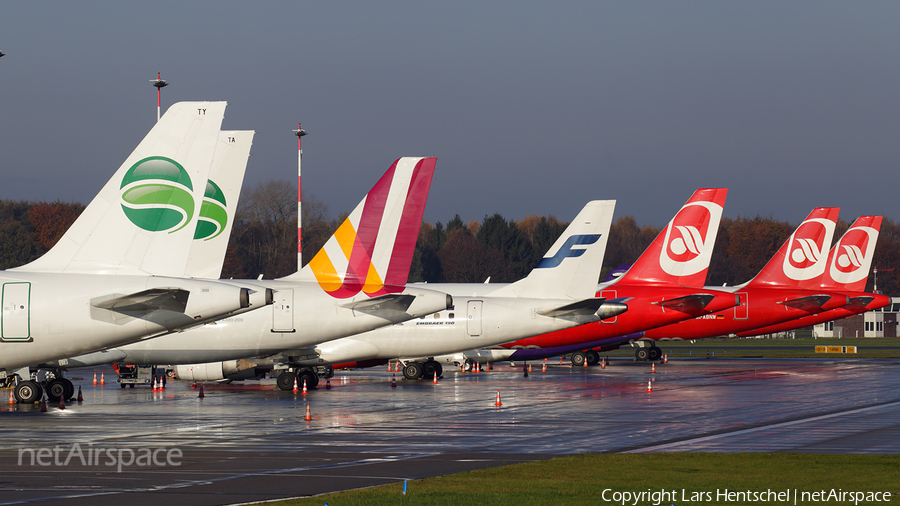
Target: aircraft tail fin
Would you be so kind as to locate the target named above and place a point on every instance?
(143, 220)
(803, 256)
(571, 267)
(372, 250)
(851, 258)
(220, 200)
(681, 252)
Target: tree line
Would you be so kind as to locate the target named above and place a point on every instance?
(263, 241)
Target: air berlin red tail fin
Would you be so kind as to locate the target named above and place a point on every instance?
(680, 253)
(803, 256)
(851, 258)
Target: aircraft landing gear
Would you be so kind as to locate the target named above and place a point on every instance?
(593, 358)
(419, 370)
(578, 358)
(655, 353)
(651, 354)
(28, 392)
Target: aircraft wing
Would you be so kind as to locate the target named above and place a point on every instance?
(812, 303)
(389, 302)
(586, 307)
(693, 302)
(172, 299)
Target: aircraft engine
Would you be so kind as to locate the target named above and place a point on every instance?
(216, 371)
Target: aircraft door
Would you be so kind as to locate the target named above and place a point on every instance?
(609, 294)
(473, 317)
(283, 311)
(16, 316)
(742, 310)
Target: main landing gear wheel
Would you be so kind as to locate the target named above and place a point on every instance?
(285, 380)
(593, 357)
(430, 368)
(28, 392)
(655, 353)
(578, 358)
(56, 389)
(312, 379)
(642, 354)
(413, 371)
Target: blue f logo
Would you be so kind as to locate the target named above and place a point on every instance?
(566, 250)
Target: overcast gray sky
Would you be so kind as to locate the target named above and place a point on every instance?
(530, 107)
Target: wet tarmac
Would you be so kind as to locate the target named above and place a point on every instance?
(249, 441)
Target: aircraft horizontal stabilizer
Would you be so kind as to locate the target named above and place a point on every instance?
(599, 307)
(812, 303)
(693, 302)
(389, 302)
(171, 299)
(861, 301)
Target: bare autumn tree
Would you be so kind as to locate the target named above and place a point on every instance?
(50, 221)
(265, 229)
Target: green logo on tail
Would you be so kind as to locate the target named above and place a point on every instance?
(157, 195)
(213, 213)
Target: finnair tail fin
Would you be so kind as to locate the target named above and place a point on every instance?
(143, 220)
(571, 267)
(220, 200)
(372, 250)
(803, 256)
(680, 254)
(851, 258)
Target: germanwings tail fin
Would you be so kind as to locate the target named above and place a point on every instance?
(571, 267)
(851, 258)
(220, 200)
(372, 250)
(681, 252)
(143, 220)
(803, 256)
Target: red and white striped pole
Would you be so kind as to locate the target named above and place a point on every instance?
(159, 84)
(299, 132)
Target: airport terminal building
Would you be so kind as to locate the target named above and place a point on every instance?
(878, 323)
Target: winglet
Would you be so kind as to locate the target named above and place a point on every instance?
(571, 267)
(681, 252)
(373, 249)
(143, 220)
(803, 256)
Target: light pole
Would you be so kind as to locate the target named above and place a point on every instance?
(299, 132)
(159, 84)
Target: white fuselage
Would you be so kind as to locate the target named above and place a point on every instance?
(302, 316)
(49, 315)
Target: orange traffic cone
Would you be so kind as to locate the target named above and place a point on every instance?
(62, 401)
(653, 368)
(649, 386)
(308, 416)
(393, 381)
(200, 395)
(602, 364)
(544, 367)
(102, 379)
(295, 385)
(80, 398)
(390, 366)
(43, 404)
(666, 358)
(435, 378)
(530, 369)
(327, 383)
(585, 363)
(560, 360)
(95, 380)
(154, 386)
(397, 367)
(497, 402)
(304, 387)
(12, 398)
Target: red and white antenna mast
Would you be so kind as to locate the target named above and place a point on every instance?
(159, 84)
(299, 132)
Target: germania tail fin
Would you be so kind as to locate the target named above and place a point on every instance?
(571, 268)
(220, 200)
(373, 249)
(143, 220)
(681, 252)
(803, 257)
